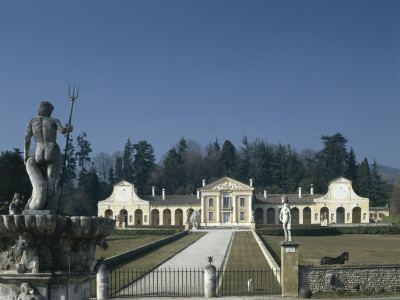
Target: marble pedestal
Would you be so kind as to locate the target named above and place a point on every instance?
(51, 286)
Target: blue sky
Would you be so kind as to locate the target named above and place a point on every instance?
(282, 71)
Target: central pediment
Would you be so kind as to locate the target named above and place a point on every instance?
(226, 184)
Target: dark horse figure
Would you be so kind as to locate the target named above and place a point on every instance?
(335, 260)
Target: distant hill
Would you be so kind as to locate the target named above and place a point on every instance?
(388, 174)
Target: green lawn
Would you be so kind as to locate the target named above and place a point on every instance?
(245, 253)
(364, 249)
(118, 243)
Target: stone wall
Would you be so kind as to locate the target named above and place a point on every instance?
(118, 260)
(362, 280)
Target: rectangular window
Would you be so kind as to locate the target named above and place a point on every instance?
(130, 219)
(145, 219)
(380, 215)
(241, 201)
(210, 202)
(371, 215)
(364, 216)
(227, 201)
(210, 216)
(332, 215)
(348, 217)
(316, 217)
(242, 216)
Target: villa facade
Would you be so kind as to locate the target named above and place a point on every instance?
(231, 203)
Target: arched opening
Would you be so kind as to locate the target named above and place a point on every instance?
(178, 217)
(307, 215)
(270, 216)
(295, 215)
(108, 214)
(155, 217)
(166, 217)
(123, 217)
(340, 215)
(324, 212)
(259, 219)
(138, 217)
(356, 215)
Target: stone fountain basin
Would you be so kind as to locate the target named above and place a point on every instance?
(85, 227)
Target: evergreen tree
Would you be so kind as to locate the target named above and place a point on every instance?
(334, 155)
(143, 165)
(70, 162)
(363, 183)
(13, 177)
(170, 175)
(111, 177)
(351, 166)
(210, 161)
(119, 172)
(127, 159)
(228, 163)
(377, 194)
(82, 155)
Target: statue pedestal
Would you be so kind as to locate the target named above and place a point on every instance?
(50, 286)
(290, 269)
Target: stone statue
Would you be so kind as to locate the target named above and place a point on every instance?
(28, 293)
(285, 217)
(30, 256)
(194, 219)
(15, 204)
(252, 216)
(43, 168)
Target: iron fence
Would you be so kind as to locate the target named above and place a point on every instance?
(165, 282)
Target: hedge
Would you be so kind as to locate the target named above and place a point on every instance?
(147, 232)
(333, 231)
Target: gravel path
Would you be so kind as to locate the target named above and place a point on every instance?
(195, 257)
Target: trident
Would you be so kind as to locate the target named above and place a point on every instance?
(72, 97)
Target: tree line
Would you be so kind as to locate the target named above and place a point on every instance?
(275, 167)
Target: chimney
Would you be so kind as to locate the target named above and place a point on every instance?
(299, 192)
(163, 194)
(312, 189)
(198, 194)
(204, 182)
(251, 182)
(153, 190)
(265, 193)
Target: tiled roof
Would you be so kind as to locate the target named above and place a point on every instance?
(293, 198)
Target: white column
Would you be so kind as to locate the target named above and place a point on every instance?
(161, 217)
(251, 208)
(218, 210)
(301, 215)
(173, 217)
(234, 209)
(203, 210)
(277, 215)
(149, 215)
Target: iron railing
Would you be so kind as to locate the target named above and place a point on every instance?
(165, 282)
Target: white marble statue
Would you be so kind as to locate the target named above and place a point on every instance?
(43, 168)
(286, 218)
(195, 219)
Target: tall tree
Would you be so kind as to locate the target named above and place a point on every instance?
(143, 165)
(13, 176)
(334, 155)
(127, 159)
(351, 166)
(82, 155)
(363, 183)
(119, 172)
(70, 162)
(395, 200)
(228, 161)
(377, 195)
(170, 172)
